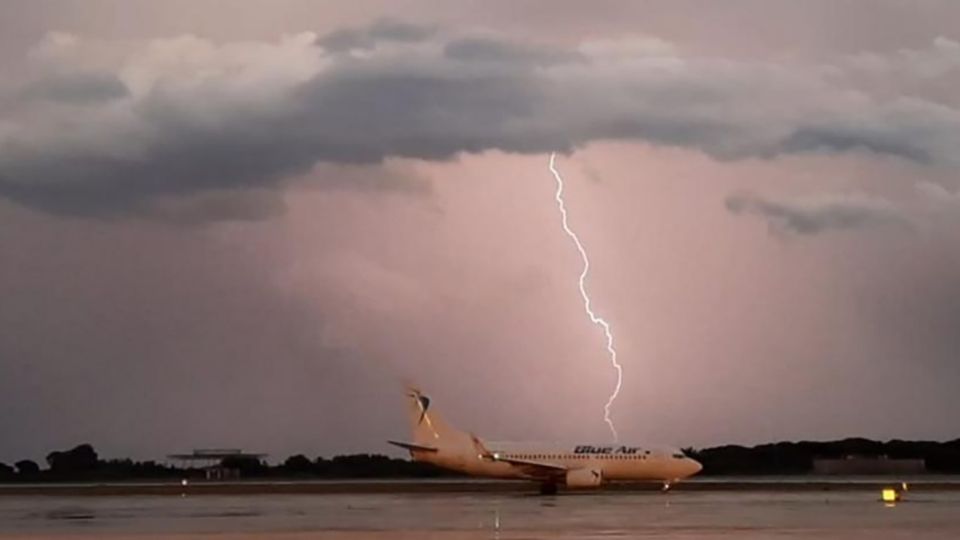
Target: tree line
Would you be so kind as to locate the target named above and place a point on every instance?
(786, 458)
(82, 463)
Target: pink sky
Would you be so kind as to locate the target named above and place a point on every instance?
(757, 293)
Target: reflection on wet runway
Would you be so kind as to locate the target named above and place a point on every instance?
(754, 515)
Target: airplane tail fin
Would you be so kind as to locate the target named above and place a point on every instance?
(428, 427)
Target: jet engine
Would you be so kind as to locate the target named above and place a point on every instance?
(584, 478)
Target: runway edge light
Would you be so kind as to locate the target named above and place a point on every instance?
(892, 494)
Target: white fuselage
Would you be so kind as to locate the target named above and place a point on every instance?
(615, 462)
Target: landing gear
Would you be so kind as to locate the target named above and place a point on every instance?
(548, 488)
(666, 487)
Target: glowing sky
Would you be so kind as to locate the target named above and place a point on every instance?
(242, 227)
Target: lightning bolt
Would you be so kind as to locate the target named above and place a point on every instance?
(586, 297)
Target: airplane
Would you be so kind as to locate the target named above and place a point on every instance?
(576, 467)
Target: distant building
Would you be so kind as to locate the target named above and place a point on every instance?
(213, 460)
(869, 465)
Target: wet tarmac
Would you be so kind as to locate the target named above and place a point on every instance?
(755, 514)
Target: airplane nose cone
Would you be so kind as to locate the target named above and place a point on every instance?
(690, 467)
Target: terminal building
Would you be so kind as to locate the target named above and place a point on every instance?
(868, 465)
(217, 463)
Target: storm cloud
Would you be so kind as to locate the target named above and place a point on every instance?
(822, 213)
(82, 87)
(381, 31)
(179, 116)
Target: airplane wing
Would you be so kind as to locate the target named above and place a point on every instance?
(533, 469)
(413, 447)
(536, 469)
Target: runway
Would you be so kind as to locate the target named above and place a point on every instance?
(804, 483)
(756, 514)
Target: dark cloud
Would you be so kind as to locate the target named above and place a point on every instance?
(839, 139)
(819, 214)
(249, 115)
(81, 87)
(490, 49)
(393, 178)
(383, 30)
(216, 206)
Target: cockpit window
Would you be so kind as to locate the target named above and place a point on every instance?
(679, 456)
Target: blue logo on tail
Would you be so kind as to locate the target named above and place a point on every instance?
(424, 403)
